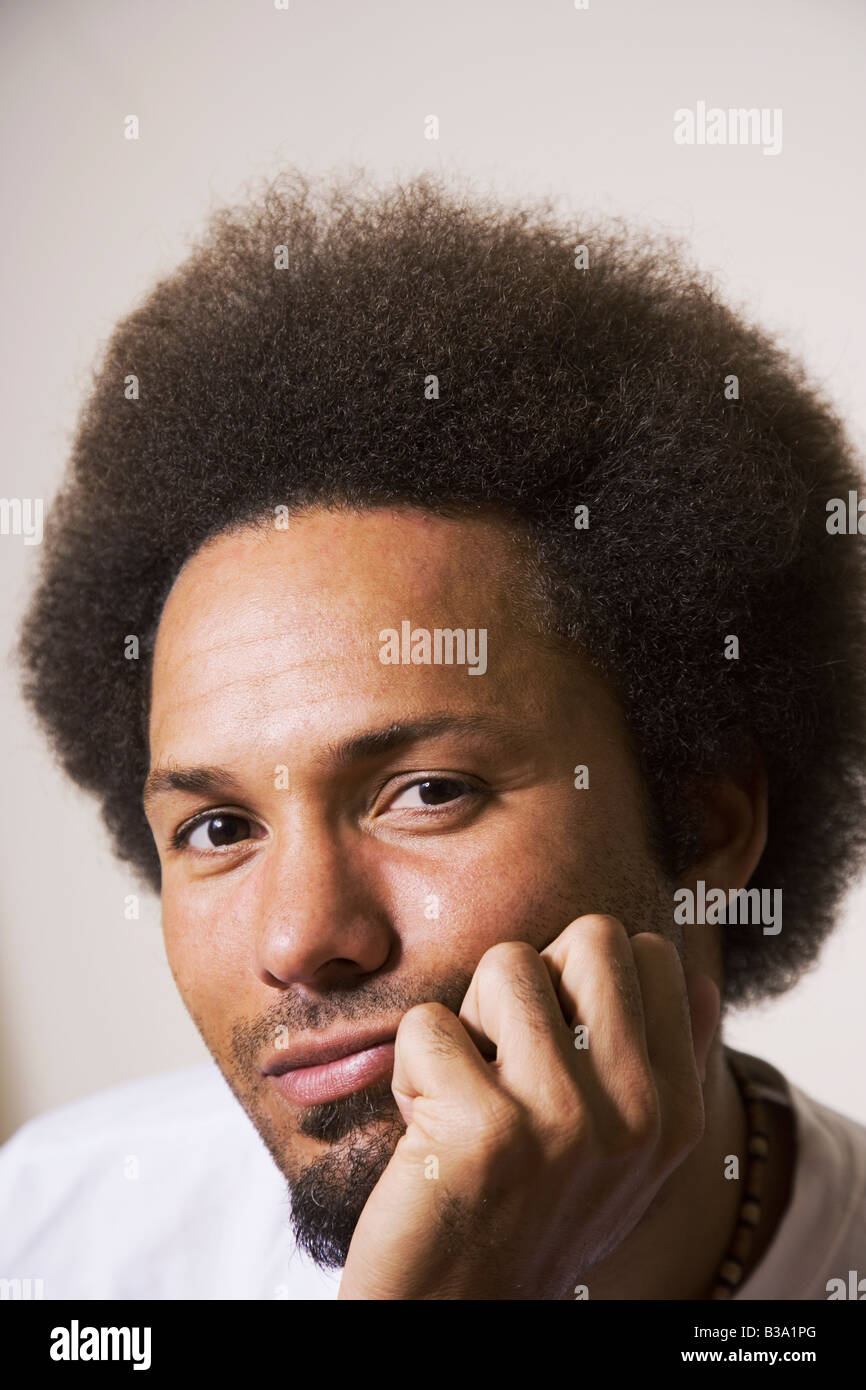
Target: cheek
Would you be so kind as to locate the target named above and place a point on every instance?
(201, 951)
(542, 862)
(520, 880)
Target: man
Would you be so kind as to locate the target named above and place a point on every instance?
(444, 605)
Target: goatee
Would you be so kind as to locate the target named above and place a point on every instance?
(330, 1193)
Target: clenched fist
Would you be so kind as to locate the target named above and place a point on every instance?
(516, 1176)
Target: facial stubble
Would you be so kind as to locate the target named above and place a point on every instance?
(361, 1130)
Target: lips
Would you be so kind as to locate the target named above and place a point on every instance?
(325, 1071)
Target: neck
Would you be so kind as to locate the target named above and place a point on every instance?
(676, 1248)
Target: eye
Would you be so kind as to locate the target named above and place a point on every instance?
(217, 830)
(432, 791)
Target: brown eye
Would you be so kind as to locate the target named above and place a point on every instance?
(219, 830)
(432, 791)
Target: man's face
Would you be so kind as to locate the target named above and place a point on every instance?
(365, 830)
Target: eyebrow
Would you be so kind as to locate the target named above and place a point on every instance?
(204, 781)
(213, 781)
(395, 736)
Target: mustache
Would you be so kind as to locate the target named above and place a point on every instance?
(296, 1014)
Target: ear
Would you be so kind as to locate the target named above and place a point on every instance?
(734, 824)
(732, 814)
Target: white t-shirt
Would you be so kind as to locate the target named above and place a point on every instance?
(162, 1188)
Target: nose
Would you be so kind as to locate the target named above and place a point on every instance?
(321, 920)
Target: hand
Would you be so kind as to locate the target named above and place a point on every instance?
(516, 1176)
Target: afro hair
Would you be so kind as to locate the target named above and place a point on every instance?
(285, 363)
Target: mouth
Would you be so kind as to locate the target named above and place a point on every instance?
(327, 1072)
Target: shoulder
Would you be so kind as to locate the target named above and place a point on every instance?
(821, 1239)
(150, 1106)
(157, 1188)
(831, 1185)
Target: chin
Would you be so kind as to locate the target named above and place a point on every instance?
(332, 1156)
(329, 1193)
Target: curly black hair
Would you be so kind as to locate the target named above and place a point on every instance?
(600, 378)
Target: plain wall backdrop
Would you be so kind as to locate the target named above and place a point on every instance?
(534, 97)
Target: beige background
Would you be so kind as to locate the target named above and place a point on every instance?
(533, 97)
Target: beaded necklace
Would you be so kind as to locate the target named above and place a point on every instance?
(754, 1096)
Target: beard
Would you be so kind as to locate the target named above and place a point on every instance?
(329, 1194)
(361, 1130)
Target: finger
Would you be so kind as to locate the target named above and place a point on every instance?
(599, 992)
(680, 1013)
(677, 1053)
(440, 1080)
(511, 1003)
(456, 1121)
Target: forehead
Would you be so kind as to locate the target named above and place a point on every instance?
(283, 625)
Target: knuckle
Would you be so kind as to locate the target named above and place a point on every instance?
(503, 1115)
(498, 1126)
(429, 1012)
(601, 926)
(654, 942)
(432, 1021)
(516, 967)
(569, 1134)
(508, 958)
(640, 1126)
